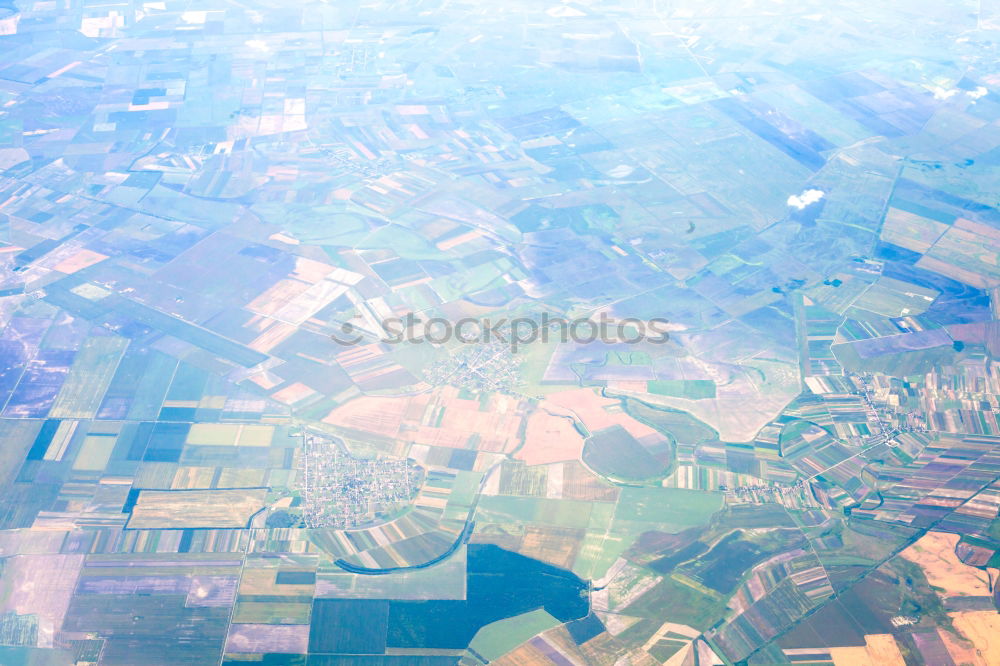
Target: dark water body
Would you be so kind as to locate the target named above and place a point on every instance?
(500, 584)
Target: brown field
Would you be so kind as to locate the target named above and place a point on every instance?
(192, 477)
(160, 509)
(381, 416)
(550, 438)
(911, 231)
(439, 418)
(458, 240)
(79, 261)
(265, 380)
(525, 655)
(598, 413)
(935, 554)
(272, 337)
(629, 385)
(556, 640)
(272, 638)
(961, 649)
(879, 650)
(310, 270)
(262, 581)
(579, 483)
(672, 628)
(277, 296)
(229, 434)
(555, 545)
(983, 629)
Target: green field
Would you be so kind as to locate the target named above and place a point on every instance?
(94, 453)
(671, 509)
(691, 389)
(641, 510)
(564, 513)
(614, 453)
(681, 426)
(89, 378)
(267, 612)
(17, 436)
(675, 601)
(499, 638)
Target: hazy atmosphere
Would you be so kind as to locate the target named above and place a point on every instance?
(442, 333)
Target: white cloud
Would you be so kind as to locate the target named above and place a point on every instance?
(807, 197)
(195, 18)
(948, 93)
(621, 171)
(942, 93)
(564, 12)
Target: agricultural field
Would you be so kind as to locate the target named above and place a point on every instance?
(175, 509)
(615, 454)
(340, 333)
